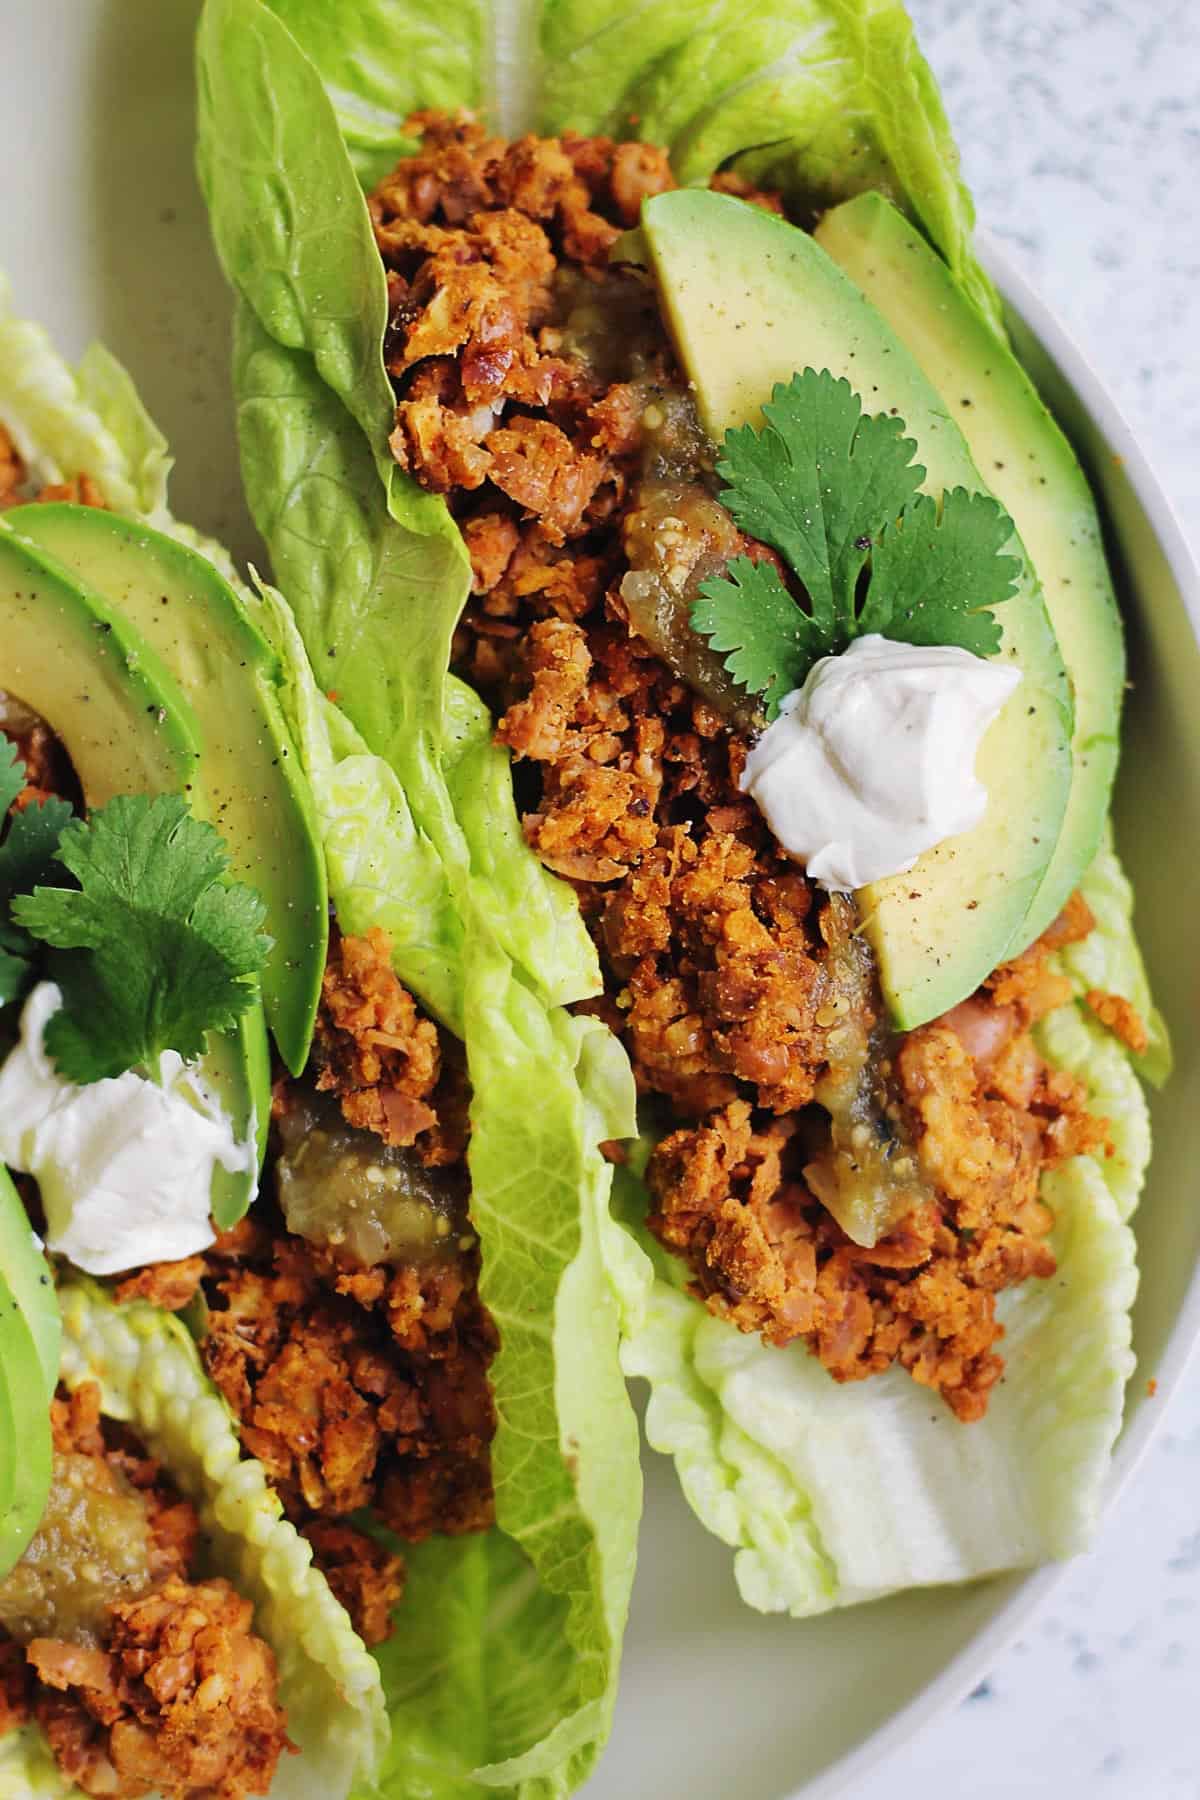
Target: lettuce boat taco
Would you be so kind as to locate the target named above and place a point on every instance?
(628, 372)
(327, 1481)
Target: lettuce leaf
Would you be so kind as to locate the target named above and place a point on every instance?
(834, 1494)
(89, 419)
(294, 111)
(823, 98)
(379, 62)
(28, 1770)
(565, 1457)
(150, 1376)
(289, 220)
(383, 870)
(482, 1667)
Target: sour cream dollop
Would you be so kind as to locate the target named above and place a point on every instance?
(872, 761)
(125, 1166)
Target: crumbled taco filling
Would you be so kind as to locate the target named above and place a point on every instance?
(17, 484)
(344, 1324)
(536, 389)
(145, 1677)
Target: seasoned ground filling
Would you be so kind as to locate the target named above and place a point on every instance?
(143, 1680)
(358, 1383)
(536, 390)
(17, 485)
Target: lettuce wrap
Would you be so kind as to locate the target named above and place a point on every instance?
(501, 1672)
(828, 1494)
(150, 1379)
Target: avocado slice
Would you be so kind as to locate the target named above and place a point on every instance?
(249, 783)
(25, 1448)
(128, 730)
(750, 301)
(1033, 471)
(24, 1267)
(75, 661)
(237, 1068)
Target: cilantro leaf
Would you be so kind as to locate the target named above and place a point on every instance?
(836, 492)
(772, 642)
(26, 854)
(816, 480)
(157, 949)
(934, 576)
(16, 971)
(12, 774)
(30, 844)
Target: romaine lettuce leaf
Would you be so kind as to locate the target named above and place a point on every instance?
(383, 870)
(150, 1376)
(1072, 1039)
(565, 1461)
(90, 420)
(28, 1771)
(565, 1456)
(67, 422)
(288, 215)
(482, 1668)
(824, 98)
(834, 1494)
(380, 62)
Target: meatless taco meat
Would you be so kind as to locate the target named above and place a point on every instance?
(16, 486)
(537, 390)
(343, 1323)
(143, 1676)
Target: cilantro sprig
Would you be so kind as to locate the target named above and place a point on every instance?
(150, 943)
(836, 493)
(26, 854)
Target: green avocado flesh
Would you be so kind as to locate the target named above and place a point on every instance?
(249, 782)
(1033, 471)
(750, 300)
(128, 729)
(66, 653)
(237, 1068)
(27, 1273)
(24, 1431)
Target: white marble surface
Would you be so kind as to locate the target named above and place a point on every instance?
(1079, 122)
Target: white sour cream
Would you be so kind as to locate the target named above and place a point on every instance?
(125, 1166)
(872, 761)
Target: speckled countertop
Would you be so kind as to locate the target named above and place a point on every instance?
(1079, 122)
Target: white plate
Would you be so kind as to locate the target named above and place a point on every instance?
(102, 233)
